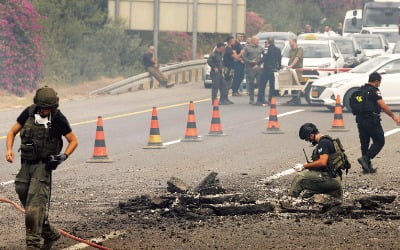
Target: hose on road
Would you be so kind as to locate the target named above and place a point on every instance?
(59, 230)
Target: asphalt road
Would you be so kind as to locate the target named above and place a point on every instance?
(84, 192)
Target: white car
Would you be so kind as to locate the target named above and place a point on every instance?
(317, 54)
(373, 44)
(325, 90)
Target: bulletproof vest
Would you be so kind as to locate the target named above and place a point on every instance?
(337, 161)
(36, 141)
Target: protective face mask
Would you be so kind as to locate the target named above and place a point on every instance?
(42, 120)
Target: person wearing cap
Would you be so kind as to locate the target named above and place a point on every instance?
(314, 177)
(41, 127)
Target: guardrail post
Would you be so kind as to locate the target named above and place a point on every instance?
(190, 75)
(151, 82)
(196, 75)
(176, 78)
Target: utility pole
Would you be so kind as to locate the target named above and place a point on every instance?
(234, 17)
(194, 29)
(156, 26)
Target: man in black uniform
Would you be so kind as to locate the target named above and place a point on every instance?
(215, 61)
(319, 179)
(272, 63)
(238, 65)
(369, 122)
(41, 127)
(228, 59)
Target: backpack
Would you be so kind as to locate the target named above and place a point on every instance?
(359, 101)
(338, 161)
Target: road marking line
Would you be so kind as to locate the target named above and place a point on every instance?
(96, 240)
(392, 132)
(132, 113)
(287, 113)
(291, 170)
(172, 142)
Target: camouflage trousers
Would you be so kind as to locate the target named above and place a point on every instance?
(308, 183)
(156, 73)
(32, 185)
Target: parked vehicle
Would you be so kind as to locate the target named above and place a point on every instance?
(391, 34)
(373, 44)
(351, 50)
(325, 90)
(283, 36)
(396, 49)
(352, 22)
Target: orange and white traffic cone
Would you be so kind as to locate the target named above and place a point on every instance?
(191, 134)
(100, 150)
(338, 122)
(155, 141)
(273, 124)
(216, 127)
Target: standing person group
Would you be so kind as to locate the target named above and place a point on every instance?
(229, 63)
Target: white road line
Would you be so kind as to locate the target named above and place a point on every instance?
(287, 113)
(172, 142)
(392, 132)
(291, 170)
(96, 240)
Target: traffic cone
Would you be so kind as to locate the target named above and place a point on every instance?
(338, 122)
(155, 137)
(191, 134)
(273, 124)
(216, 127)
(100, 150)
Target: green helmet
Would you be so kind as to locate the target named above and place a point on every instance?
(46, 97)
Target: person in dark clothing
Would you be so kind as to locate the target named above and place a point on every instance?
(238, 65)
(369, 122)
(228, 59)
(272, 63)
(215, 61)
(150, 64)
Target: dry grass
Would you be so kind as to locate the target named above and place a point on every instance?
(66, 92)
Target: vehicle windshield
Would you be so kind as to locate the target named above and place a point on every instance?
(265, 36)
(316, 50)
(392, 37)
(381, 17)
(345, 46)
(370, 42)
(311, 51)
(368, 65)
(349, 28)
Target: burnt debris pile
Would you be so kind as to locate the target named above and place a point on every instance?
(208, 198)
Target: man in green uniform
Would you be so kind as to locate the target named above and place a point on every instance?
(41, 127)
(296, 63)
(319, 176)
(252, 61)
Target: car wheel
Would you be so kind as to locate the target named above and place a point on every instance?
(307, 91)
(346, 99)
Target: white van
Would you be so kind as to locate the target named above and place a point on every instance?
(352, 22)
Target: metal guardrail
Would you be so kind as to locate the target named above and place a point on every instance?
(181, 72)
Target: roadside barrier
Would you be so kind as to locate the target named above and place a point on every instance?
(338, 122)
(273, 126)
(191, 134)
(100, 149)
(155, 141)
(216, 127)
(59, 230)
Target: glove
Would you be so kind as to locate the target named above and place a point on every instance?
(55, 160)
(299, 167)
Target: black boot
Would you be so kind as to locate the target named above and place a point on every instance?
(366, 164)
